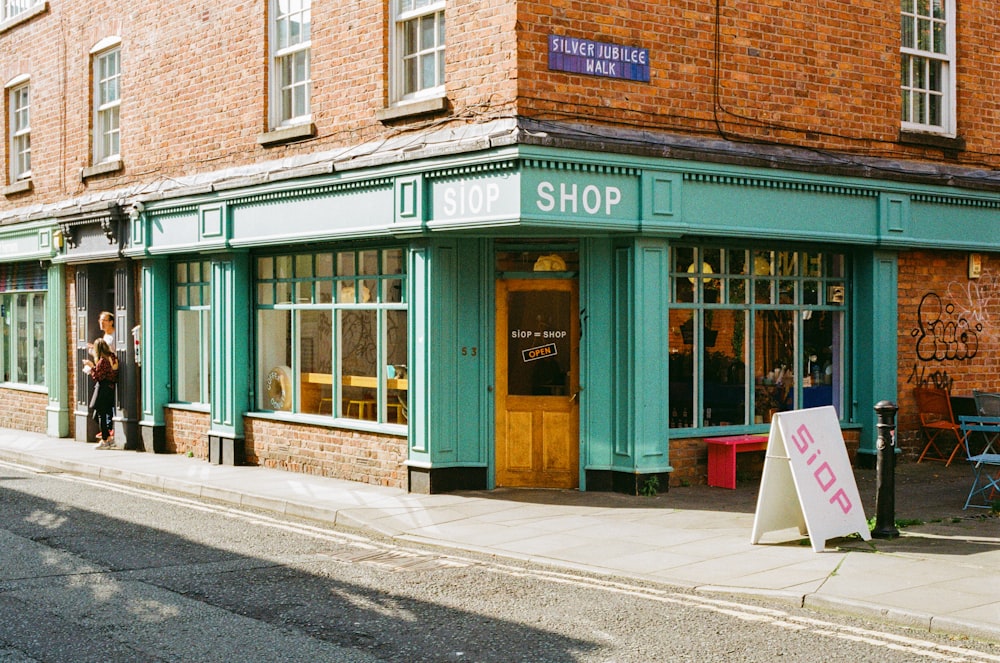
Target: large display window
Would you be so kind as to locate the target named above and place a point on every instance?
(754, 332)
(22, 317)
(192, 331)
(331, 334)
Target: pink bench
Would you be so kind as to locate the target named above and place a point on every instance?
(722, 456)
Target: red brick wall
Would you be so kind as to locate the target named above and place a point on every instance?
(329, 452)
(23, 410)
(938, 302)
(194, 84)
(821, 74)
(364, 457)
(187, 431)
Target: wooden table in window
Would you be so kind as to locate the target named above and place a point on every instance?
(313, 398)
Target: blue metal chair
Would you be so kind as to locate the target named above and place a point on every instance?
(985, 464)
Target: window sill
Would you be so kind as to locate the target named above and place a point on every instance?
(190, 407)
(412, 109)
(287, 135)
(20, 386)
(20, 186)
(331, 422)
(24, 16)
(104, 168)
(940, 141)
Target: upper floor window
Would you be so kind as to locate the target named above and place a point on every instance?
(928, 64)
(20, 132)
(290, 69)
(14, 8)
(418, 48)
(107, 104)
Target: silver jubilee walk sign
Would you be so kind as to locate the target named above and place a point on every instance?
(808, 481)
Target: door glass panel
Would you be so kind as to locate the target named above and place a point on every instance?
(538, 350)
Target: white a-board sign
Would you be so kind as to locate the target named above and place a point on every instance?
(807, 481)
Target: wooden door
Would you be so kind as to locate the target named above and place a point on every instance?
(537, 382)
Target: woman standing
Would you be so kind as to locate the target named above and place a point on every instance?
(104, 371)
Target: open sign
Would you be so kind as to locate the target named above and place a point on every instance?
(540, 352)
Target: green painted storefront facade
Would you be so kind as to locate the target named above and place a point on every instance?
(622, 213)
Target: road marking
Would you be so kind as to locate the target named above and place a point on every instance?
(401, 557)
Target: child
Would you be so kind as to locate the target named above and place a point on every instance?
(104, 371)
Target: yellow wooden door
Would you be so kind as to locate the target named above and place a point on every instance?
(537, 382)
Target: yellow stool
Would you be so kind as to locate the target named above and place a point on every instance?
(364, 406)
(398, 409)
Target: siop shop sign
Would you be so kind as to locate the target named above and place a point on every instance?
(595, 197)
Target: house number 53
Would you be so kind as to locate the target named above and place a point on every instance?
(469, 352)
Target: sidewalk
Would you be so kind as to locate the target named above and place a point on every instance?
(942, 574)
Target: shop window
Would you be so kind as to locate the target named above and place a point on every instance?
(331, 334)
(23, 319)
(754, 332)
(192, 332)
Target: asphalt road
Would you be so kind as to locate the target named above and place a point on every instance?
(91, 571)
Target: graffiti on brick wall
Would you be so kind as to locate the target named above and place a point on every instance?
(945, 332)
(953, 328)
(938, 379)
(976, 300)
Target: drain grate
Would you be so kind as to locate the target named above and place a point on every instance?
(401, 560)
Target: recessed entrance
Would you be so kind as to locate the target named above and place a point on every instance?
(537, 382)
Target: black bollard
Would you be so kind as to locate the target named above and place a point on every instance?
(885, 497)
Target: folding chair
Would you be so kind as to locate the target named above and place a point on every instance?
(985, 465)
(987, 404)
(938, 423)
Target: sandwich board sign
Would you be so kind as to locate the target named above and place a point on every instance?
(807, 481)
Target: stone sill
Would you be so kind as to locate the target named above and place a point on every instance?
(412, 109)
(101, 169)
(940, 141)
(21, 186)
(287, 134)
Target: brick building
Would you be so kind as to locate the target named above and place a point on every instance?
(444, 244)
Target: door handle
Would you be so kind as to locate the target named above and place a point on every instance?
(576, 393)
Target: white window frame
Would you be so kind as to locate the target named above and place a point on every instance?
(106, 101)
(291, 63)
(19, 128)
(192, 295)
(407, 12)
(917, 85)
(14, 8)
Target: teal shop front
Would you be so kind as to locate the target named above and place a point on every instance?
(524, 316)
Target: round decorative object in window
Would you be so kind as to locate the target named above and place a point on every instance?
(278, 388)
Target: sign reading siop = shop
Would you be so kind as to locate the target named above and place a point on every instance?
(586, 195)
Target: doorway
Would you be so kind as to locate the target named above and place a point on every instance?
(537, 383)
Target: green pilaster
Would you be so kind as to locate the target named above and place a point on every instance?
(56, 353)
(650, 386)
(596, 356)
(450, 362)
(155, 350)
(875, 334)
(230, 345)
